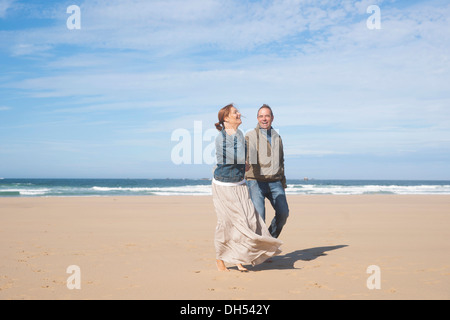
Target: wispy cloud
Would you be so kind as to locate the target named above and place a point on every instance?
(173, 25)
(4, 6)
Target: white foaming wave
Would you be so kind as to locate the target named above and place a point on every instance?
(163, 191)
(367, 189)
(421, 189)
(28, 192)
(201, 190)
(185, 190)
(108, 189)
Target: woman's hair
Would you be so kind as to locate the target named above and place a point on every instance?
(223, 113)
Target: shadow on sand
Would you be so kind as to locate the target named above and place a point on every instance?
(287, 261)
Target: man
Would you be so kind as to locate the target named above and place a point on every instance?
(265, 178)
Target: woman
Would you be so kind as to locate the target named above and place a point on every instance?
(241, 235)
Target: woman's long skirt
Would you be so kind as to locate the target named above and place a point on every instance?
(241, 235)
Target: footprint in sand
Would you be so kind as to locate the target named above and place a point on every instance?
(236, 288)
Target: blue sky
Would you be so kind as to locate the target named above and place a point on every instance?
(103, 101)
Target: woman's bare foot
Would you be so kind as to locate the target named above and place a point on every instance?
(221, 265)
(241, 268)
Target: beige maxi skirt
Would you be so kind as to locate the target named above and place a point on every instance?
(241, 235)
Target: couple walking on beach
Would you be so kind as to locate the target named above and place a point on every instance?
(249, 169)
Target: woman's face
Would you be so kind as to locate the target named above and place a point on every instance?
(234, 118)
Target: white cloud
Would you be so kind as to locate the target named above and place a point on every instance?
(4, 6)
(174, 25)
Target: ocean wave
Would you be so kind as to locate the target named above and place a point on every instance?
(25, 192)
(9, 193)
(163, 191)
(168, 187)
(366, 189)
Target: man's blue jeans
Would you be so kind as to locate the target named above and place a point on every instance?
(273, 191)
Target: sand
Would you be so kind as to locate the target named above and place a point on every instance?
(162, 248)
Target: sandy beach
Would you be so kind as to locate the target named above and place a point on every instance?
(160, 247)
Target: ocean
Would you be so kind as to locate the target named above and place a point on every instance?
(201, 187)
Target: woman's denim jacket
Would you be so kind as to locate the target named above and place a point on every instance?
(230, 155)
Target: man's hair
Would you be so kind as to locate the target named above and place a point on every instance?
(265, 106)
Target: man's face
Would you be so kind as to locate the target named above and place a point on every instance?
(265, 118)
